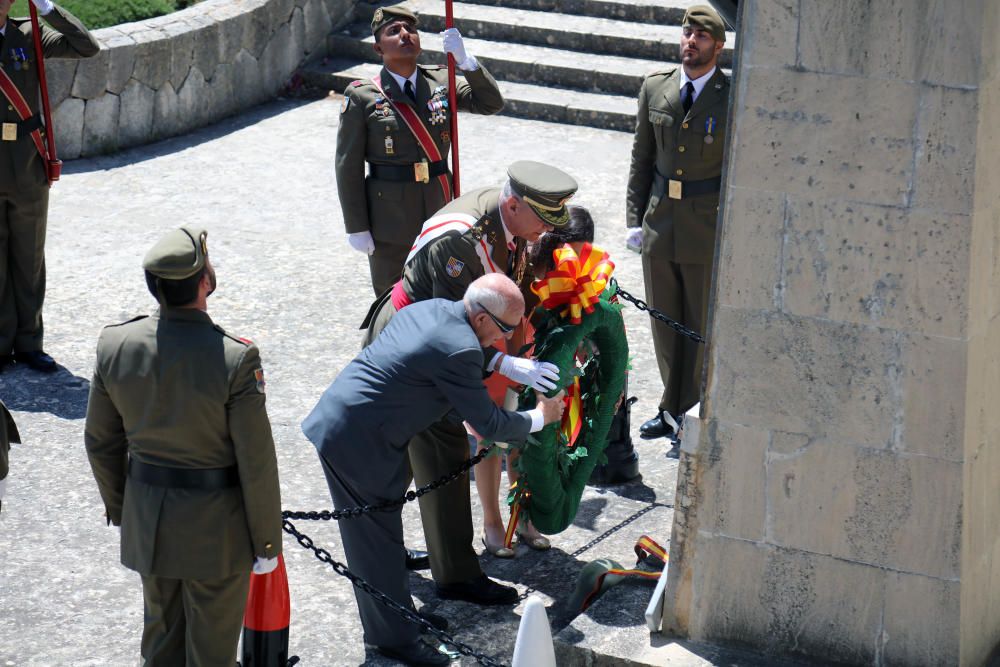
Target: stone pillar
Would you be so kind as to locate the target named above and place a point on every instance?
(840, 497)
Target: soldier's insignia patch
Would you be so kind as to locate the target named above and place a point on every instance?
(258, 376)
(454, 267)
(378, 15)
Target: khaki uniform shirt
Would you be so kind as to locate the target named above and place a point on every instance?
(371, 131)
(20, 164)
(672, 145)
(8, 434)
(175, 390)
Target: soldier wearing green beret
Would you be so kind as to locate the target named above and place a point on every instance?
(24, 186)
(180, 444)
(8, 434)
(408, 177)
(672, 203)
(483, 231)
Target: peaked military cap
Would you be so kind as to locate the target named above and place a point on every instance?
(385, 15)
(178, 255)
(707, 18)
(545, 189)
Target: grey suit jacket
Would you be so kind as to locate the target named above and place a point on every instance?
(426, 362)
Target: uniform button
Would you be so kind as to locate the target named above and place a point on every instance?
(684, 126)
(10, 108)
(679, 172)
(680, 149)
(268, 545)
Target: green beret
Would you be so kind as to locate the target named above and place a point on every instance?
(385, 15)
(545, 189)
(707, 18)
(178, 255)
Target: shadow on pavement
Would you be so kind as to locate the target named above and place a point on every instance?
(61, 394)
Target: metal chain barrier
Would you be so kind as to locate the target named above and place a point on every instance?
(351, 512)
(409, 496)
(657, 315)
(409, 614)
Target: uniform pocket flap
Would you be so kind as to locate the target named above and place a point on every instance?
(660, 117)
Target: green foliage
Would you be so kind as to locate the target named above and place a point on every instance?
(102, 13)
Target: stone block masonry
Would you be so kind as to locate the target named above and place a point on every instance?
(166, 76)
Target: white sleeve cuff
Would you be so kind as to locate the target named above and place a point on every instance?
(493, 366)
(469, 65)
(43, 6)
(537, 420)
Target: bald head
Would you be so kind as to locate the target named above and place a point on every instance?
(493, 304)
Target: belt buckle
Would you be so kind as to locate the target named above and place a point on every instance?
(10, 131)
(421, 172)
(674, 189)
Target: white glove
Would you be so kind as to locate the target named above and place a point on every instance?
(454, 45)
(362, 242)
(633, 238)
(539, 375)
(43, 6)
(264, 565)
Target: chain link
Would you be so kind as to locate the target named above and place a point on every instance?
(657, 315)
(409, 496)
(409, 614)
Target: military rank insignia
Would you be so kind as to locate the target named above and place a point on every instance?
(258, 376)
(454, 267)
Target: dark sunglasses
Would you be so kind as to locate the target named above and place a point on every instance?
(503, 327)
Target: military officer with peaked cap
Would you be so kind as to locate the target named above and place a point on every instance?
(24, 187)
(408, 178)
(8, 434)
(179, 441)
(483, 231)
(672, 203)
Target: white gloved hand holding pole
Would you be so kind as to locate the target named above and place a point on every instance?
(539, 375)
(362, 242)
(43, 6)
(455, 45)
(263, 565)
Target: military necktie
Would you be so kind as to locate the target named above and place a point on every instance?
(687, 98)
(408, 89)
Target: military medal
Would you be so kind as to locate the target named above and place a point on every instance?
(389, 150)
(709, 128)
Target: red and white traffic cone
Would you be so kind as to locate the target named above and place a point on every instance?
(265, 623)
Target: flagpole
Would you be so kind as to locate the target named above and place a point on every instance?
(53, 166)
(449, 22)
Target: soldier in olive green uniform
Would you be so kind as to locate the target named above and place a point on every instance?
(179, 441)
(8, 434)
(672, 203)
(383, 212)
(24, 188)
(483, 231)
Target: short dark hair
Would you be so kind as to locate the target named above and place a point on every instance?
(579, 228)
(174, 292)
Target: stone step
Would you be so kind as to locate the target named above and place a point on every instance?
(588, 34)
(524, 100)
(668, 12)
(520, 63)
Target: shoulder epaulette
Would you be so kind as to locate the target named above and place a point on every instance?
(479, 229)
(242, 341)
(134, 319)
(431, 68)
(661, 72)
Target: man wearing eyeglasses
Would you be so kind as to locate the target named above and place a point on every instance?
(425, 364)
(482, 232)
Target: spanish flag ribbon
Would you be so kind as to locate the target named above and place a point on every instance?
(576, 282)
(572, 420)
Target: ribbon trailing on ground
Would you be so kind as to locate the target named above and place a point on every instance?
(598, 576)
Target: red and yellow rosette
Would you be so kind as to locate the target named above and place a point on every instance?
(576, 282)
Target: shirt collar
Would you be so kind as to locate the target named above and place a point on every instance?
(699, 83)
(506, 232)
(401, 80)
(3, 29)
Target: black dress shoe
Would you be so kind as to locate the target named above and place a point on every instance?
(481, 590)
(660, 426)
(37, 360)
(675, 451)
(5, 361)
(417, 560)
(417, 653)
(439, 622)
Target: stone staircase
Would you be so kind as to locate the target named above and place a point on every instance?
(567, 61)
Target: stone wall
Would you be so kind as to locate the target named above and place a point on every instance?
(839, 495)
(165, 76)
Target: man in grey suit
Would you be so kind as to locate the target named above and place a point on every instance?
(426, 363)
